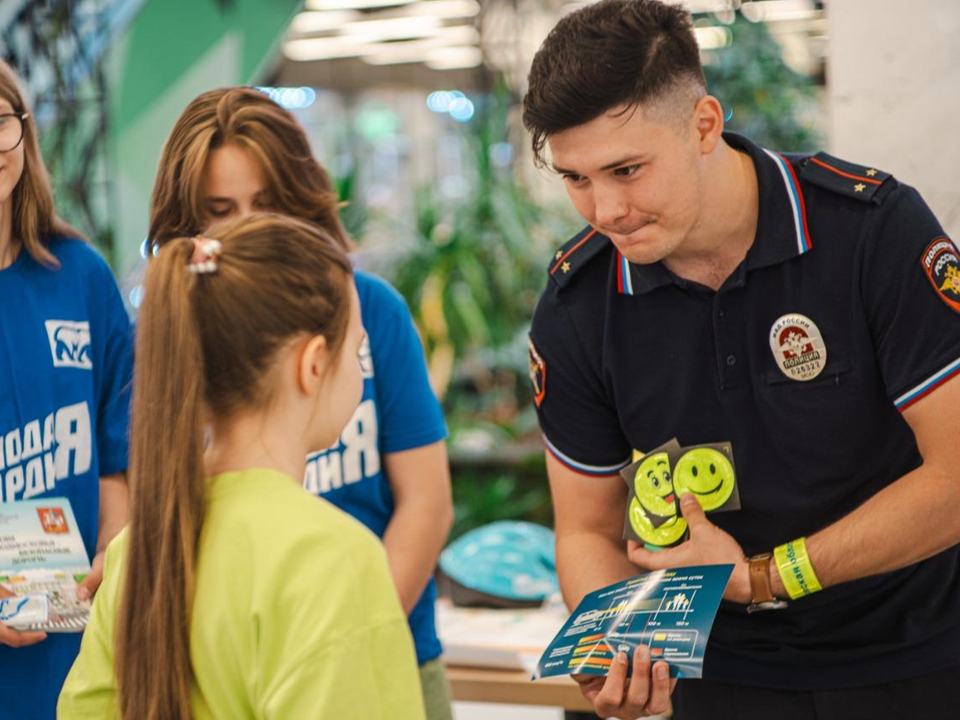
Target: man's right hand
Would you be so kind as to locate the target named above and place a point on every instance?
(645, 693)
(15, 638)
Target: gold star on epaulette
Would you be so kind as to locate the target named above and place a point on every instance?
(565, 267)
(871, 172)
(559, 254)
(859, 187)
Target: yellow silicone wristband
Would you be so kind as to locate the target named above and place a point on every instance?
(795, 569)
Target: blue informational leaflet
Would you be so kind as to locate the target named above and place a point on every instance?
(42, 558)
(671, 611)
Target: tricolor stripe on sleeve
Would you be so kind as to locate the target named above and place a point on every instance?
(583, 469)
(927, 386)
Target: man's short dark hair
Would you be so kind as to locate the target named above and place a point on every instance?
(610, 54)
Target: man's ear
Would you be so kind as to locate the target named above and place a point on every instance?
(313, 361)
(708, 123)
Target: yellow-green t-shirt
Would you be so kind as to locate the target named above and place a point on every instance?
(295, 615)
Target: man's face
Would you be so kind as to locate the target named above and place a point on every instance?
(636, 180)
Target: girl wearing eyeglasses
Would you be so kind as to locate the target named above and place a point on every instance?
(65, 372)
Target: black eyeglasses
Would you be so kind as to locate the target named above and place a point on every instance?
(11, 130)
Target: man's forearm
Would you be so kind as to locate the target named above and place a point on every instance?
(586, 562)
(910, 520)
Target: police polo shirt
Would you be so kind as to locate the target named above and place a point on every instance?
(845, 311)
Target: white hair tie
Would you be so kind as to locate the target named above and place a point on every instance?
(205, 254)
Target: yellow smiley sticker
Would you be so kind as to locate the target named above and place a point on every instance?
(708, 474)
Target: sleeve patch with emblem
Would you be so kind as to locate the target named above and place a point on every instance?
(941, 263)
(538, 374)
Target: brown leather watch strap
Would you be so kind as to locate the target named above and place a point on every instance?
(759, 573)
(759, 566)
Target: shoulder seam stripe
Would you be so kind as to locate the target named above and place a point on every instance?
(624, 281)
(846, 174)
(570, 251)
(797, 205)
(927, 386)
(581, 468)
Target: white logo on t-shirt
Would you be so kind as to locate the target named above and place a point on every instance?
(366, 359)
(70, 343)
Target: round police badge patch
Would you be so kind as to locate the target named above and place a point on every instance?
(798, 347)
(941, 263)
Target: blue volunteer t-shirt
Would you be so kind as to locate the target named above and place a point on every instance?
(65, 374)
(398, 412)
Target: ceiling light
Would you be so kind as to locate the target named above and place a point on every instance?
(713, 38)
(354, 4)
(401, 28)
(317, 22)
(774, 10)
(451, 58)
(306, 49)
(445, 8)
(419, 50)
(710, 6)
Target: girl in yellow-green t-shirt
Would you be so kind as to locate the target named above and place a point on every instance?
(211, 605)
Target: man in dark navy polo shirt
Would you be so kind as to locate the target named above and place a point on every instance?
(803, 308)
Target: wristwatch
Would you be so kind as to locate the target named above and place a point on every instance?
(762, 595)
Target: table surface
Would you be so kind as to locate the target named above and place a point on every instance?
(514, 687)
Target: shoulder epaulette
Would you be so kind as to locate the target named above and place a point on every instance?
(575, 254)
(857, 181)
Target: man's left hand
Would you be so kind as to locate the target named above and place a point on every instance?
(91, 582)
(708, 545)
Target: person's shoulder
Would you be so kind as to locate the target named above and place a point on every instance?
(375, 292)
(117, 548)
(276, 513)
(77, 253)
(578, 258)
(81, 260)
(291, 535)
(383, 311)
(114, 562)
(865, 186)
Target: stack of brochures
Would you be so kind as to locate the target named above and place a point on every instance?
(42, 561)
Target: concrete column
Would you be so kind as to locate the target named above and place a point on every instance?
(893, 81)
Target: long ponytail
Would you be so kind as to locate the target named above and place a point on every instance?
(205, 346)
(166, 497)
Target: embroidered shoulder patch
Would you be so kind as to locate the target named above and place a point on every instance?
(575, 254)
(941, 263)
(857, 181)
(538, 374)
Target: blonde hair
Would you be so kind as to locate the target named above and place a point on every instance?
(34, 216)
(205, 348)
(298, 185)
